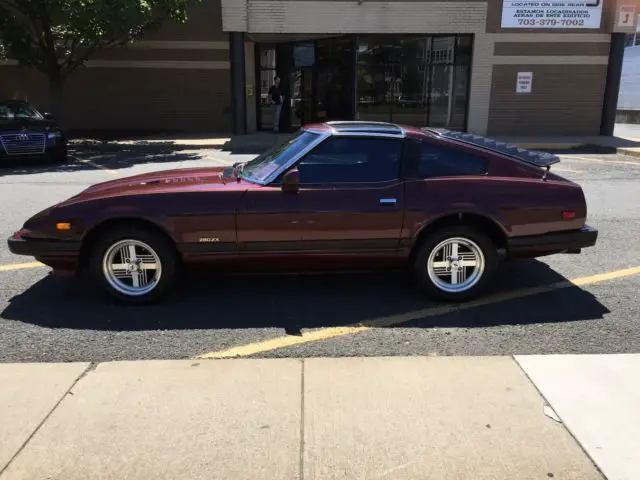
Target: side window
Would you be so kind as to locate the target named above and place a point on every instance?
(351, 160)
(438, 161)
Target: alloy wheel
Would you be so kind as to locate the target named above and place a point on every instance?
(456, 264)
(132, 267)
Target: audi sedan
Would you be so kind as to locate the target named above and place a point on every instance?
(27, 135)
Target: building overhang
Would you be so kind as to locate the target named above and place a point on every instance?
(353, 16)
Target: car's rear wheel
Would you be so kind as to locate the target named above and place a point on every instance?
(455, 263)
(134, 265)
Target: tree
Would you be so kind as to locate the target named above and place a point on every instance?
(58, 36)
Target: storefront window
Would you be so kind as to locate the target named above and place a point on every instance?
(376, 80)
(415, 80)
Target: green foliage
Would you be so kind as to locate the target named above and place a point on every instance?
(58, 36)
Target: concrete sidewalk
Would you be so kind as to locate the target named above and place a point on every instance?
(626, 141)
(321, 418)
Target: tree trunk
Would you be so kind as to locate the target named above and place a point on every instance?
(57, 96)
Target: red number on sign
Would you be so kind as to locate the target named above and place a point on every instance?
(626, 18)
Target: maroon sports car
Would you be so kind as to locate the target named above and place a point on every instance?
(340, 195)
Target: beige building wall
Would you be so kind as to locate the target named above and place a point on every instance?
(569, 76)
(176, 79)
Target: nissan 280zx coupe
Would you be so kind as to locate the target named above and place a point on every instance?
(338, 195)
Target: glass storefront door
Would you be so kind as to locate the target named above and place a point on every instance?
(335, 86)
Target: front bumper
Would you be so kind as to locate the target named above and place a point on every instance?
(569, 241)
(61, 255)
(52, 152)
(38, 248)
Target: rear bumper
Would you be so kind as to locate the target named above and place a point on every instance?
(570, 241)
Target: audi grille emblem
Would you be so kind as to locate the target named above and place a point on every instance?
(23, 136)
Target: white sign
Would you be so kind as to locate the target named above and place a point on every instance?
(626, 15)
(551, 14)
(524, 82)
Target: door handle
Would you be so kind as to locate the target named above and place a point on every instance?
(388, 201)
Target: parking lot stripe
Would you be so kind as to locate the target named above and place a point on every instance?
(20, 266)
(392, 320)
(281, 342)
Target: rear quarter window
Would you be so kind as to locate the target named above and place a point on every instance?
(433, 160)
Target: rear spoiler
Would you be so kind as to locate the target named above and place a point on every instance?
(532, 157)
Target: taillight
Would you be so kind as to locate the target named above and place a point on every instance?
(568, 215)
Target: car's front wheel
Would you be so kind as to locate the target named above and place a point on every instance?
(134, 265)
(455, 263)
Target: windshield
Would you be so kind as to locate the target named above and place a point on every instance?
(259, 169)
(18, 111)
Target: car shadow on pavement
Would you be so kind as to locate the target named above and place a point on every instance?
(296, 302)
(92, 156)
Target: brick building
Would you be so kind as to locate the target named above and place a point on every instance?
(453, 63)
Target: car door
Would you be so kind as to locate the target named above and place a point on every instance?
(350, 204)
(351, 198)
(267, 220)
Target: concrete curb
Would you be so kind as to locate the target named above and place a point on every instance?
(631, 152)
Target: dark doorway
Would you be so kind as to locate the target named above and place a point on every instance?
(335, 71)
(318, 75)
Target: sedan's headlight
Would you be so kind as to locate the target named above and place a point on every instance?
(52, 135)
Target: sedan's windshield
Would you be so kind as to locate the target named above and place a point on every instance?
(259, 169)
(18, 111)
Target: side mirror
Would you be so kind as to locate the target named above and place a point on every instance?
(48, 116)
(291, 181)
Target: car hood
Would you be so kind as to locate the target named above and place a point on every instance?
(29, 124)
(186, 179)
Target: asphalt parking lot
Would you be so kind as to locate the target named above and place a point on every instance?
(563, 304)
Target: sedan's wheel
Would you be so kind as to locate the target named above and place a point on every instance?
(455, 263)
(134, 265)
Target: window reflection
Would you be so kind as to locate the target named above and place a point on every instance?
(416, 80)
(267, 77)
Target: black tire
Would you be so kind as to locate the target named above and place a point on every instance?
(59, 158)
(161, 245)
(431, 242)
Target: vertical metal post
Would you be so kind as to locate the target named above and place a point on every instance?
(238, 79)
(452, 83)
(354, 78)
(612, 88)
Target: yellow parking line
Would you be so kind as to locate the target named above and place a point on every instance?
(20, 266)
(391, 320)
(95, 165)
